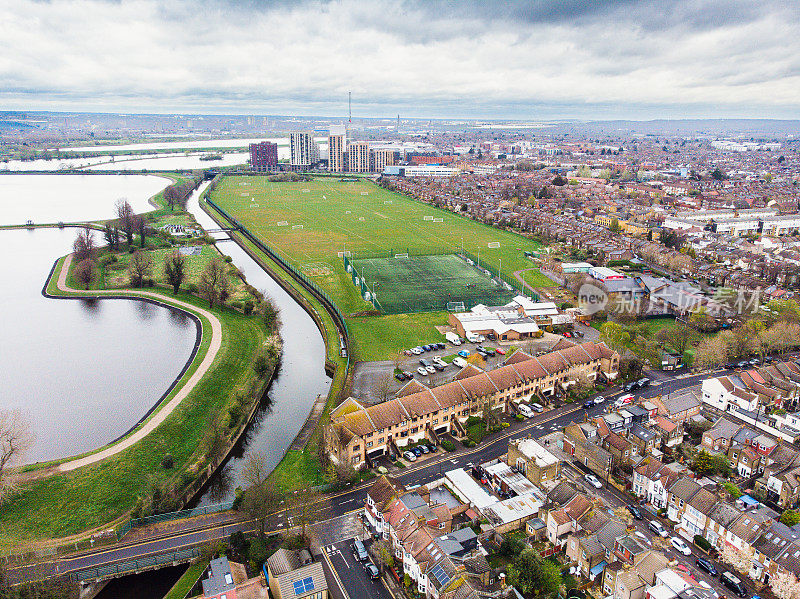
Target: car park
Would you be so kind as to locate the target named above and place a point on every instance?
(680, 545)
(460, 362)
(409, 455)
(416, 350)
(599, 399)
(706, 565)
(464, 353)
(657, 528)
(430, 369)
(537, 407)
(422, 370)
(733, 583)
(592, 480)
(400, 376)
(525, 411)
(634, 511)
(500, 351)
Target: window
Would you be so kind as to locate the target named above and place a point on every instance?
(369, 444)
(356, 447)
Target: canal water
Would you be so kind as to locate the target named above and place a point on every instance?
(301, 378)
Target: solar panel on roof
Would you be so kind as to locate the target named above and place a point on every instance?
(303, 586)
(440, 575)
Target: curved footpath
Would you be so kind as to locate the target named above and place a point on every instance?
(161, 414)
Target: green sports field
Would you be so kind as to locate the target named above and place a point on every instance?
(428, 283)
(311, 223)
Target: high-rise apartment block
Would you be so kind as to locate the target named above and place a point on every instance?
(305, 152)
(264, 156)
(358, 157)
(383, 158)
(337, 145)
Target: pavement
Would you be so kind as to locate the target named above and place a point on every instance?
(344, 504)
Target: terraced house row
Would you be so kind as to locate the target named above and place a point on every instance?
(357, 433)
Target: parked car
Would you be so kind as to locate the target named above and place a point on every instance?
(577, 334)
(643, 382)
(743, 364)
(417, 451)
(430, 369)
(438, 360)
(460, 362)
(525, 411)
(490, 350)
(567, 334)
(409, 455)
(599, 399)
(416, 350)
(427, 347)
(537, 407)
(481, 349)
(400, 376)
(623, 400)
(630, 386)
(588, 404)
(424, 449)
(464, 353)
(592, 480)
(680, 545)
(424, 362)
(439, 366)
(408, 352)
(706, 565)
(634, 511)
(440, 345)
(500, 351)
(754, 362)
(422, 370)
(359, 551)
(733, 583)
(657, 528)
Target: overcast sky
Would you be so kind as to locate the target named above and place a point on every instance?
(588, 59)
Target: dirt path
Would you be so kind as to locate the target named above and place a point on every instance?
(159, 416)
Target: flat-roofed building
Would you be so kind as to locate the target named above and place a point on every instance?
(358, 157)
(263, 156)
(337, 144)
(382, 159)
(304, 150)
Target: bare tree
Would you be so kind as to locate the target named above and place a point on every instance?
(305, 504)
(84, 273)
(261, 498)
(84, 247)
(214, 283)
(679, 337)
(126, 216)
(140, 268)
(710, 352)
(785, 585)
(142, 229)
(16, 437)
(383, 387)
(175, 270)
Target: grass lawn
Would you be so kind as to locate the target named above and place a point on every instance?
(311, 222)
(68, 503)
(298, 470)
(185, 583)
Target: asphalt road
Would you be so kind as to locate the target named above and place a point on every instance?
(351, 500)
(353, 574)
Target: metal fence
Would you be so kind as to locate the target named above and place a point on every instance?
(198, 511)
(321, 295)
(137, 565)
(495, 273)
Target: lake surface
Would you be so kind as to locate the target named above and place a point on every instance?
(83, 372)
(69, 198)
(172, 162)
(302, 376)
(171, 145)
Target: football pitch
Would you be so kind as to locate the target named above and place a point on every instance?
(427, 283)
(313, 223)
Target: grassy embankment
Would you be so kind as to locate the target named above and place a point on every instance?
(187, 581)
(324, 217)
(69, 503)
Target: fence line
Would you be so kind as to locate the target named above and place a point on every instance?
(136, 565)
(317, 291)
(198, 511)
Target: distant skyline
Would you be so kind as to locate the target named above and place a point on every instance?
(568, 59)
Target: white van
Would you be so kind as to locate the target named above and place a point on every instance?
(525, 411)
(452, 338)
(460, 362)
(475, 338)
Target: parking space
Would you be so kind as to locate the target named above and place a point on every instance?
(354, 574)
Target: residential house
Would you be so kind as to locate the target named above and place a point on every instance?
(290, 575)
(530, 457)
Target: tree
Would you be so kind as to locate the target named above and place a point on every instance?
(383, 387)
(679, 337)
(785, 585)
(710, 352)
(305, 505)
(271, 315)
(140, 226)
(125, 216)
(532, 575)
(736, 558)
(175, 270)
(83, 247)
(261, 497)
(84, 273)
(790, 517)
(383, 553)
(703, 463)
(16, 437)
(630, 367)
(140, 267)
(718, 175)
(214, 283)
(614, 226)
(614, 335)
(111, 235)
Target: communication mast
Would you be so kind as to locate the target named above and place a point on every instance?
(349, 108)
